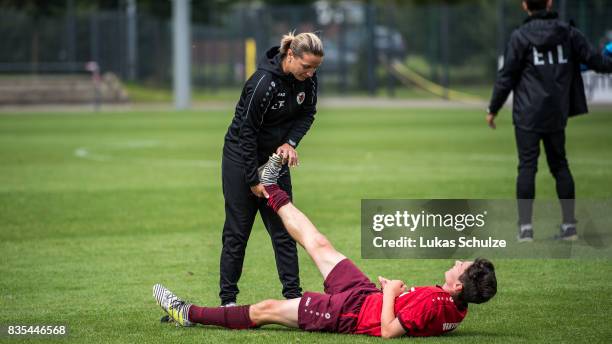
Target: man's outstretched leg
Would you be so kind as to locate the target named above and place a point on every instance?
(280, 312)
(283, 312)
(297, 224)
(345, 286)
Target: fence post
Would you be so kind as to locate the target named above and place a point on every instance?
(582, 18)
(342, 49)
(70, 35)
(181, 52)
(501, 27)
(371, 53)
(444, 33)
(390, 53)
(132, 39)
(433, 42)
(94, 36)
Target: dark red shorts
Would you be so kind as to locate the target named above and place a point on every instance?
(346, 288)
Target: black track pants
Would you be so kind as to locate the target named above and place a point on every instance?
(528, 146)
(241, 206)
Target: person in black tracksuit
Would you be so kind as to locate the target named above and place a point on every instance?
(542, 68)
(275, 111)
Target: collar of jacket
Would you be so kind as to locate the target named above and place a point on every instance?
(272, 62)
(543, 14)
(279, 62)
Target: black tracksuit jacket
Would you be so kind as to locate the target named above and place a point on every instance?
(542, 67)
(274, 108)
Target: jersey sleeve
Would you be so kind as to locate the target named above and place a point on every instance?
(307, 114)
(415, 318)
(508, 75)
(259, 95)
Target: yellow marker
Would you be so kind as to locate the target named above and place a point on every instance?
(406, 76)
(249, 57)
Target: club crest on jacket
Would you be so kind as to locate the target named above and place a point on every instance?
(300, 97)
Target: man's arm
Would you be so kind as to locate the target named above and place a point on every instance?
(508, 75)
(257, 104)
(390, 326)
(588, 55)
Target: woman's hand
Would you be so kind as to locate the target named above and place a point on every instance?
(259, 191)
(289, 154)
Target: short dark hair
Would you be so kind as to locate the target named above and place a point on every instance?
(479, 282)
(536, 5)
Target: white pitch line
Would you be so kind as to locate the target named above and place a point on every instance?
(139, 144)
(87, 154)
(84, 153)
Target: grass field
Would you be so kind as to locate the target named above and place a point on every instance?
(138, 93)
(95, 209)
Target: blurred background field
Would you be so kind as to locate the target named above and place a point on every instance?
(455, 44)
(95, 209)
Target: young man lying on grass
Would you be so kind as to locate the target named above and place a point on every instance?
(351, 303)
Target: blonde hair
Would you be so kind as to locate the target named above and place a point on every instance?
(305, 42)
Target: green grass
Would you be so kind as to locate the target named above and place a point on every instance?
(140, 93)
(95, 209)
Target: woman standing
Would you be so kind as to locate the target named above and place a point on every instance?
(275, 110)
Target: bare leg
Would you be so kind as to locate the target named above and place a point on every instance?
(306, 234)
(281, 312)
